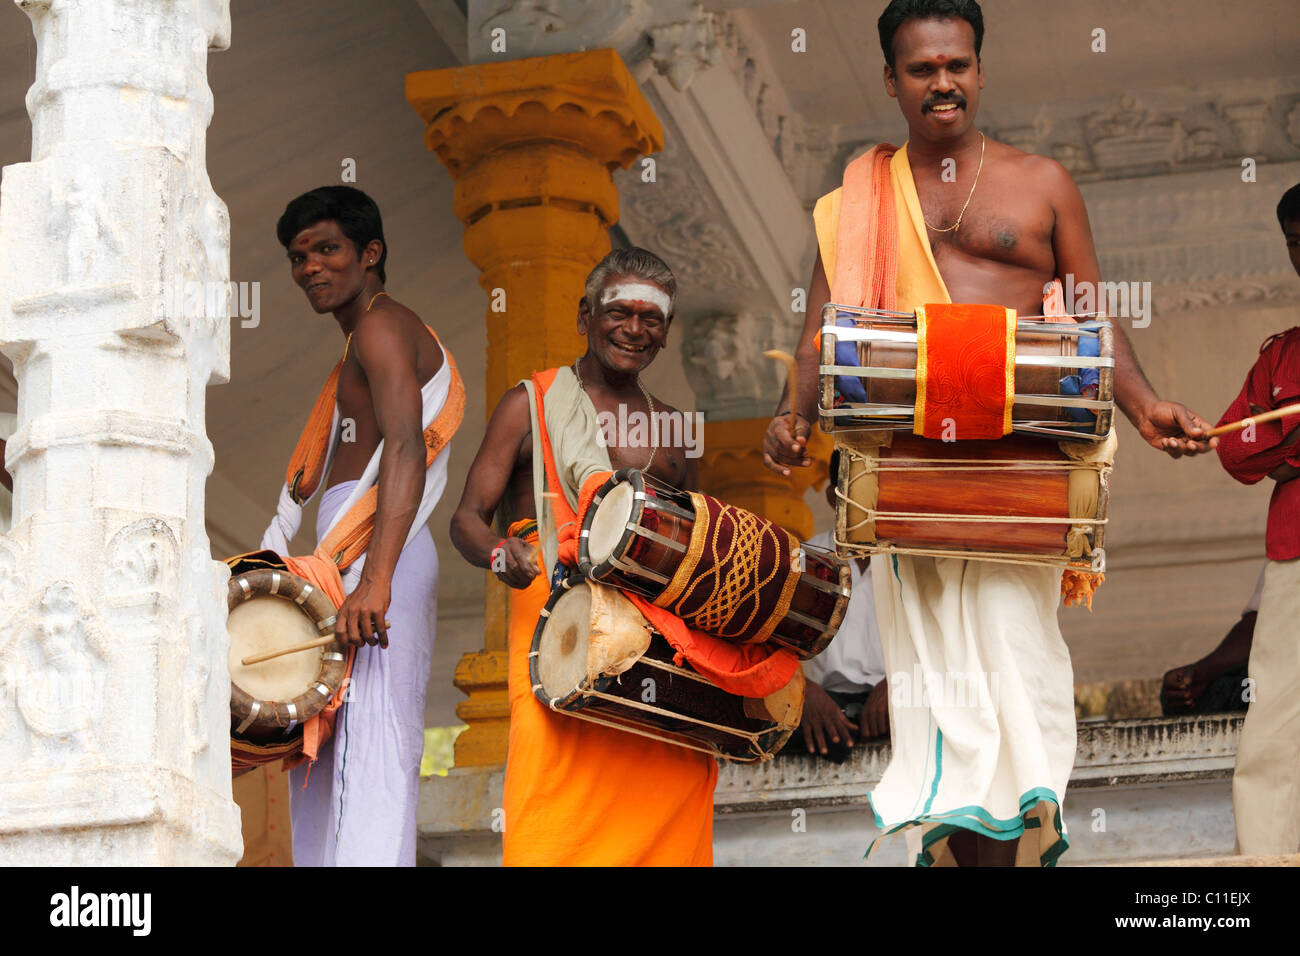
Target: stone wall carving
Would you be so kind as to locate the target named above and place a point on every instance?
(54, 666)
(142, 563)
(1201, 237)
(725, 366)
(1146, 133)
(675, 36)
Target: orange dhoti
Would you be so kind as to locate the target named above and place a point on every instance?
(579, 794)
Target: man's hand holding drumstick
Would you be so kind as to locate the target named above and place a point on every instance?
(787, 434)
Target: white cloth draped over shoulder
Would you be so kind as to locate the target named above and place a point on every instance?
(577, 446)
(288, 513)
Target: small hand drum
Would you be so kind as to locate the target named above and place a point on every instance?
(271, 609)
(723, 570)
(586, 664)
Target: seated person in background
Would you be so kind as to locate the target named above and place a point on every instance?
(1215, 682)
(846, 696)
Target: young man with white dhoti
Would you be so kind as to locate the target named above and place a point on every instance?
(965, 782)
(377, 441)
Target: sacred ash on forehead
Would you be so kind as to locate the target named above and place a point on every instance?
(637, 292)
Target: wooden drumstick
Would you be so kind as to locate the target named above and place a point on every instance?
(1254, 420)
(295, 648)
(792, 374)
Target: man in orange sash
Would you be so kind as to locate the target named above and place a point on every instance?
(377, 443)
(577, 793)
(956, 217)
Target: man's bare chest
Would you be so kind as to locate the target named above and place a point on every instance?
(998, 225)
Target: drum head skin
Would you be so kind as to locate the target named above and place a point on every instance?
(609, 525)
(562, 650)
(257, 627)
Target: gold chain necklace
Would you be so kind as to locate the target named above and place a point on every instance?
(369, 306)
(650, 404)
(978, 169)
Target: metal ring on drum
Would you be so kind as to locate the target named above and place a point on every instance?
(635, 531)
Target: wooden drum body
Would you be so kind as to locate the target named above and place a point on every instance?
(723, 570)
(271, 608)
(597, 659)
(1015, 499)
(873, 355)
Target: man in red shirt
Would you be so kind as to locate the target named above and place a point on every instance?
(1266, 783)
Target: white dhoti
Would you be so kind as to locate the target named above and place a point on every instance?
(358, 807)
(1266, 781)
(981, 705)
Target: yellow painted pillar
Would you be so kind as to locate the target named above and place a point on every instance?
(732, 469)
(531, 145)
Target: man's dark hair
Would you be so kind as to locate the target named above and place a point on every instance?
(1288, 210)
(355, 212)
(900, 11)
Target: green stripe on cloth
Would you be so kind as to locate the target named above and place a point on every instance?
(980, 821)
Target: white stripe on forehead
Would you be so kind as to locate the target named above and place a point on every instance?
(637, 292)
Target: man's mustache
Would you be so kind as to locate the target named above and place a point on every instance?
(932, 102)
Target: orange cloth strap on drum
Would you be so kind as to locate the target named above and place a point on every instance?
(324, 574)
(746, 670)
(965, 371)
(750, 670)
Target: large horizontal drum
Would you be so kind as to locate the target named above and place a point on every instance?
(1015, 499)
(1064, 374)
(271, 608)
(723, 570)
(587, 662)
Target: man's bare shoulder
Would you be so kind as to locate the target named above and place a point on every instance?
(513, 412)
(387, 317)
(1039, 176)
(1035, 171)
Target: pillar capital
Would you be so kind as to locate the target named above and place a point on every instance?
(588, 99)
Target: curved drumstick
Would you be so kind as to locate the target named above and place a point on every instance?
(792, 373)
(1254, 420)
(295, 648)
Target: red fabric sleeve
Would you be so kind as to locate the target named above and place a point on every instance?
(1273, 382)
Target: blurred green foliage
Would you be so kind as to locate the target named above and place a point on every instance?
(438, 750)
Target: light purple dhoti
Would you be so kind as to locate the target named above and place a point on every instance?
(359, 805)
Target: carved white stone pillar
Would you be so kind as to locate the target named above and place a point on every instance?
(114, 693)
